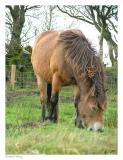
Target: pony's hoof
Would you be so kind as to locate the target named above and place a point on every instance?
(78, 124)
(42, 120)
(53, 120)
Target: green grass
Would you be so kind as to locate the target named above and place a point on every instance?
(67, 91)
(61, 138)
(22, 110)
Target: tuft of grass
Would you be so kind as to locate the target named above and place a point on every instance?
(66, 91)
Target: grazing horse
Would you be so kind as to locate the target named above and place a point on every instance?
(67, 58)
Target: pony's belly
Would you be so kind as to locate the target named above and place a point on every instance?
(68, 81)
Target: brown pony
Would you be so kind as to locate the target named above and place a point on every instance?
(67, 58)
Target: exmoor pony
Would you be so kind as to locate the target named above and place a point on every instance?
(67, 58)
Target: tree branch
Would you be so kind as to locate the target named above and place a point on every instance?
(113, 26)
(76, 17)
(31, 7)
(10, 9)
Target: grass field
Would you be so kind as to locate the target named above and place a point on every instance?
(33, 137)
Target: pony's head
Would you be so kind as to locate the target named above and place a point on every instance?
(92, 113)
(93, 103)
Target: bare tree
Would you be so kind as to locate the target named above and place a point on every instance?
(15, 19)
(49, 18)
(102, 17)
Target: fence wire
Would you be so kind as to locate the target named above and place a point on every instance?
(27, 79)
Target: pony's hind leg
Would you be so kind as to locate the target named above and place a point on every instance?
(49, 90)
(54, 98)
(78, 121)
(42, 85)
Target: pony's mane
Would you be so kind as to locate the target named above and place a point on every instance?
(82, 57)
(79, 52)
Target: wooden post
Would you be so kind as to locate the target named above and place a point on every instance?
(13, 75)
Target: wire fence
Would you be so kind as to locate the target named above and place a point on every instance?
(26, 79)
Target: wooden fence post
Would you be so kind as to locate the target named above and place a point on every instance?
(13, 75)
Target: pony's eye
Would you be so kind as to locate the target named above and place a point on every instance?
(83, 116)
(95, 109)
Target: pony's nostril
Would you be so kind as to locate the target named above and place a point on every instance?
(90, 129)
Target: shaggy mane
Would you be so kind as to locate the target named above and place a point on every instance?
(82, 56)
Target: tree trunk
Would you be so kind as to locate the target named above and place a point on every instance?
(115, 49)
(101, 47)
(18, 16)
(112, 46)
(110, 51)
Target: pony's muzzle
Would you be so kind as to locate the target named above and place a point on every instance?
(97, 127)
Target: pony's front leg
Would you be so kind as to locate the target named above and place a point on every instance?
(42, 85)
(54, 98)
(78, 121)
